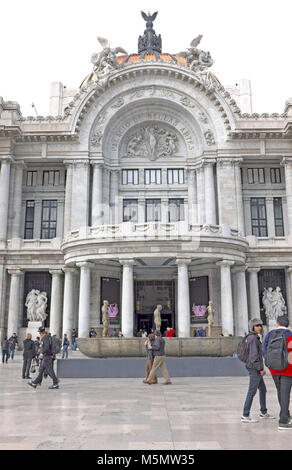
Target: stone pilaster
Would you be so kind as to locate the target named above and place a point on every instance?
(16, 228)
(183, 288)
(97, 195)
(200, 195)
(209, 187)
(4, 196)
(68, 199)
(128, 298)
(226, 297)
(192, 197)
(229, 193)
(287, 163)
(239, 198)
(114, 196)
(80, 194)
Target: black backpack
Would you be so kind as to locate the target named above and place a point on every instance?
(56, 345)
(243, 349)
(277, 355)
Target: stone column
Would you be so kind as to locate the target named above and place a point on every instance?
(183, 304)
(287, 162)
(16, 228)
(128, 298)
(239, 198)
(192, 199)
(240, 306)
(97, 195)
(68, 199)
(209, 187)
(228, 192)
(254, 301)
(14, 301)
(226, 297)
(56, 302)
(68, 301)
(84, 299)
(164, 211)
(141, 210)
(4, 196)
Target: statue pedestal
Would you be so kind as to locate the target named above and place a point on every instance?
(33, 328)
(271, 324)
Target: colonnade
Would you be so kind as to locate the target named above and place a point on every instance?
(233, 298)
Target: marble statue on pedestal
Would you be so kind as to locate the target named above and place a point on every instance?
(36, 304)
(273, 302)
(105, 318)
(157, 317)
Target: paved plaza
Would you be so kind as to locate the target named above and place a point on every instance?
(113, 414)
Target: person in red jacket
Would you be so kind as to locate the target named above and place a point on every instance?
(282, 378)
(170, 332)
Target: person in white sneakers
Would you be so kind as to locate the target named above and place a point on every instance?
(255, 368)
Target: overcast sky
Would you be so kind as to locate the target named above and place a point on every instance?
(43, 41)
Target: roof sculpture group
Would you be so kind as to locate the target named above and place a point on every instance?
(106, 61)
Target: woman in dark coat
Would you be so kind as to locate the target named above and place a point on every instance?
(28, 355)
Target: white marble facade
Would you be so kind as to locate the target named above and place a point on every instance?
(153, 114)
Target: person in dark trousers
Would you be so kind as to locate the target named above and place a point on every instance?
(46, 356)
(13, 341)
(37, 345)
(158, 348)
(282, 378)
(255, 368)
(5, 350)
(74, 335)
(28, 355)
(65, 347)
(149, 356)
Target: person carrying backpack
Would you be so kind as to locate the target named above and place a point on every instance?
(46, 356)
(276, 350)
(255, 367)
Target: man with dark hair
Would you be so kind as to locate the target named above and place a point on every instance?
(282, 378)
(158, 348)
(46, 356)
(13, 341)
(255, 368)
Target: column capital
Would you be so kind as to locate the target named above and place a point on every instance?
(225, 263)
(56, 272)
(289, 269)
(239, 269)
(253, 269)
(127, 262)
(183, 261)
(15, 272)
(69, 269)
(85, 264)
(286, 161)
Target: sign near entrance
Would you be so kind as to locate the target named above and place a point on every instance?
(110, 291)
(199, 298)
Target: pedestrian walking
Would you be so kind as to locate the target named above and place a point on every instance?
(149, 357)
(13, 341)
(46, 356)
(65, 347)
(278, 342)
(37, 345)
(28, 355)
(158, 348)
(255, 367)
(5, 350)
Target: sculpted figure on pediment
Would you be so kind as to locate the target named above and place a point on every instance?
(197, 59)
(152, 142)
(105, 61)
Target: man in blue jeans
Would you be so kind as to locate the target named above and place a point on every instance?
(255, 368)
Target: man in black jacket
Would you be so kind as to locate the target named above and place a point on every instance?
(46, 356)
(255, 368)
(28, 355)
(159, 360)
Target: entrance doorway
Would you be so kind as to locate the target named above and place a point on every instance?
(149, 294)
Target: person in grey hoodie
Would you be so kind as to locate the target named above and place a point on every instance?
(255, 368)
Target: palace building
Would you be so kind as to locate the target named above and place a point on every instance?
(150, 184)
